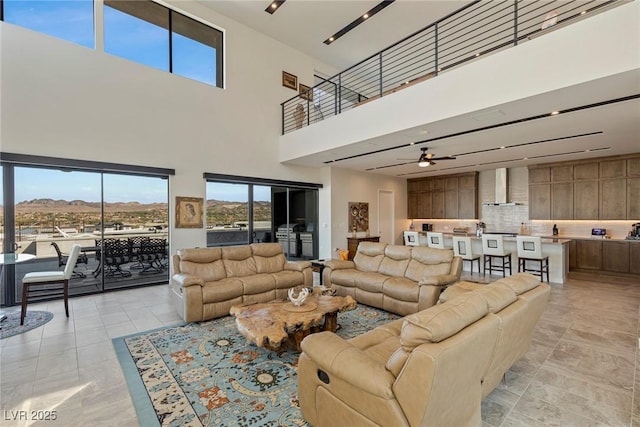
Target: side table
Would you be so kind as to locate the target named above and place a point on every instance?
(317, 265)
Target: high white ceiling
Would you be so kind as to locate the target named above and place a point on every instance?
(591, 132)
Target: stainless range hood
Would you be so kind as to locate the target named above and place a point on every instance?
(502, 189)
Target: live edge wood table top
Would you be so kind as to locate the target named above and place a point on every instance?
(271, 325)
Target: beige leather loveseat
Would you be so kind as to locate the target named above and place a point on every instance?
(431, 368)
(399, 279)
(208, 281)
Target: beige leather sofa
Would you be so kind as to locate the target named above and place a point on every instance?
(431, 368)
(208, 281)
(399, 279)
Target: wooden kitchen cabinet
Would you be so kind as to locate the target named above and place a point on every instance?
(615, 256)
(586, 171)
(562, 200)
(573, 264)
(562, 173)
(353, 242)
(586, 199)
(634, 257)
(613, 199)
(613, 169)
(633, 198)
(539, 201)
(589, 254)
(451, 197)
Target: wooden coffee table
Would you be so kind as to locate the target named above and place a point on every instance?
(272, 325)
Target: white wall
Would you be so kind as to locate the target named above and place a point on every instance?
(350, 186)
(63, 100)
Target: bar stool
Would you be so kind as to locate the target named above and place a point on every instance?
(462, 248)
(410, 238)
(435, 240)
(493, 248)
(530, 249)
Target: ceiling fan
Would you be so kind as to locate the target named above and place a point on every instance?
(427, 159)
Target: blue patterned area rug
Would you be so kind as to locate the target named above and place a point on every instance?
(207, 374)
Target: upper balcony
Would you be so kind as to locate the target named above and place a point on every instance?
(461, 64)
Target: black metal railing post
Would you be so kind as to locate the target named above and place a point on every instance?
(380, 71)
(339, 95)
(515, 22)
(282, 105)
(435, 47)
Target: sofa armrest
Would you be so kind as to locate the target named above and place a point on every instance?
(297, 265)
(185, 280)
(338, 264)
(339, 358)
(439, 280)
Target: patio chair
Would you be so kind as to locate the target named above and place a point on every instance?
(44, 280)
(135, 244)
(62, 261)
(116, 254)
(152, 253)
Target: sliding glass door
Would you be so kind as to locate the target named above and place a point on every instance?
(120, 222)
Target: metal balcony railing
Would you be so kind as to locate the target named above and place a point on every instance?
(480, 28)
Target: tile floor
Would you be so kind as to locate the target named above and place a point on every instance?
(583, 368)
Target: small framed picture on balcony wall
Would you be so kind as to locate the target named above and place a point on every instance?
(289, 80)
(189, 212)
(305, 92)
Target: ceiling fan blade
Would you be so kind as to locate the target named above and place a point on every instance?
(444, 158)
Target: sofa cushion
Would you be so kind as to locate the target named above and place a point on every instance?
(369, 256)
(288, 279)
(401, 289)
(344, 277)
(498, 296)
(370, 281)
(221, 290)
(200, 255)
(458, 289)
(258, 283)
(521, 282)
(428, 262)
(441, 321)
(268, 257)
(395, 261)
(238, 261)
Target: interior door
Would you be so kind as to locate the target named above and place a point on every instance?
(386, 217)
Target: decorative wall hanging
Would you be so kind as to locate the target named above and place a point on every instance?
(289, 80)
(358, 217)
(189, 212)
(305, 92)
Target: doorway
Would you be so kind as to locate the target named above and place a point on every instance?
(386, 216)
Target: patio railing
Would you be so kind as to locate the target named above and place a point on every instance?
(480, 28)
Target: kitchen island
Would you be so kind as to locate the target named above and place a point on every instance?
(557, 249)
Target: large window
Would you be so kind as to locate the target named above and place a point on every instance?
(68, 20)
(250, 210)
(139, 30)
(151, 34)
(118, 214)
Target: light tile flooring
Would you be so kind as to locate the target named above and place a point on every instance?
(583, 368)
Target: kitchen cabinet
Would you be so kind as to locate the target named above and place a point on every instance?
(615, 256)
(634, 257)
(604, 189)
(572, 255)
(613, 199)
(451, 197)
(562, 200)
(589, 254)
(539, 201)
(586, 199)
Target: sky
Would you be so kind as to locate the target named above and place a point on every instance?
(124, 35)
(130, 38)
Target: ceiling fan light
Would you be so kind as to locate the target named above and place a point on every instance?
(423, 163)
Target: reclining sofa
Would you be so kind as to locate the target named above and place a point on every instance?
(208, 281)
(431, 368)
(398, 279)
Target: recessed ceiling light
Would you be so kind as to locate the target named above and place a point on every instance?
(273, 6)
(583, 12)
(477, 54)
(554, 113)
(502, 147)
(358, 21)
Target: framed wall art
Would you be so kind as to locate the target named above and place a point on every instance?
(189, 212)
(289, 80)
(305, 92)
